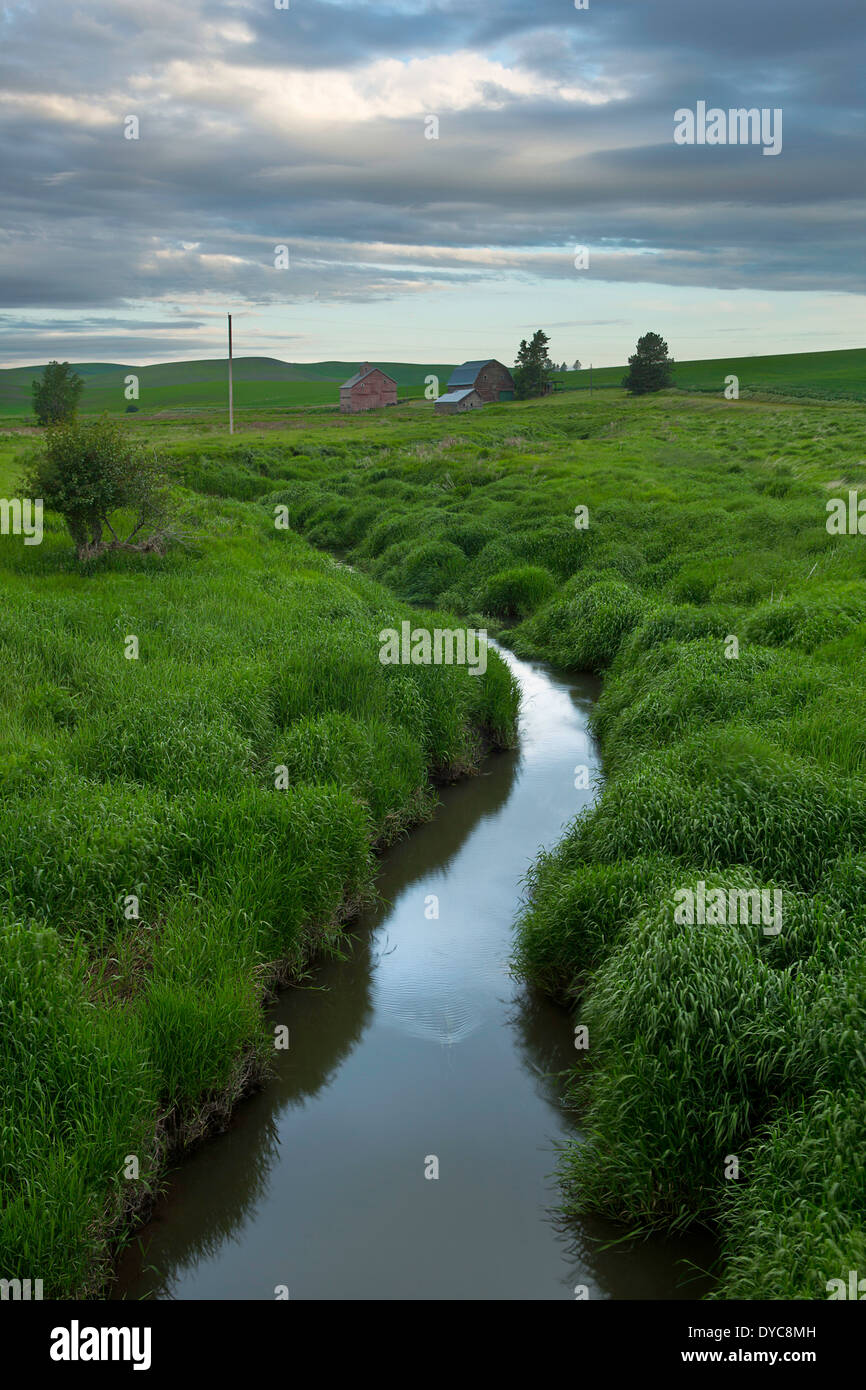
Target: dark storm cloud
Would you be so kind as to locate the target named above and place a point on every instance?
(235, 158)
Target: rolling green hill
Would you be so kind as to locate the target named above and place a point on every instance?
(266, 383)
(259, 382)
(820, 374)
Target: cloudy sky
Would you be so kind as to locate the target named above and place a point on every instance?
(308, 127)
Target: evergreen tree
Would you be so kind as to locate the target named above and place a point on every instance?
(533, 367)
(649, 366)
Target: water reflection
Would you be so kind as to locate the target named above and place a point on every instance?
(419, 1044)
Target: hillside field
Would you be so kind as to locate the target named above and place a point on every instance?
(265, 388)
(261, 384)
(821, 375)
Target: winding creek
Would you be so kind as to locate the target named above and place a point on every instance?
(418, 1044)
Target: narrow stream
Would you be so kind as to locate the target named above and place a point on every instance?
(419, 1045)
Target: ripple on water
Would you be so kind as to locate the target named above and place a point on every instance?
(443, 1017)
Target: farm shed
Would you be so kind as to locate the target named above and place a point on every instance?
(489, 378)
(452, 401)
(368, 389)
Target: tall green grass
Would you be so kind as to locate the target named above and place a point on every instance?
(742, 767)
(177, 832)
(737, 761)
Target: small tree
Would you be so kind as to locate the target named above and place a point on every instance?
(533, 367)
(86, 472)
(56, 394)
(575, 366)
(649, 367)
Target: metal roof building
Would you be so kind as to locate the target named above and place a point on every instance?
(489, 378)
(465, 375)
(466, 399)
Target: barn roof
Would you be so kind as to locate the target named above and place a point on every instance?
(466, 374)
(452, 396)
(363, 371)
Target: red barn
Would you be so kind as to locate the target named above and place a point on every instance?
(489, 378)
(368, 389)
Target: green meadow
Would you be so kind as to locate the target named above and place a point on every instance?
(261, 386)
(837, 375)
(724, 1081)
(180, 830)
(266, 389)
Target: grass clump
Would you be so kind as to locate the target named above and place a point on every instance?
(796, 1224)
(602, 897)
(78, 1094)
(516, 592)
(584, 632)
(689, 1037)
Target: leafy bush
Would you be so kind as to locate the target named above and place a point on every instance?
(87, 472)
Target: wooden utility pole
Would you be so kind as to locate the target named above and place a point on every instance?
(231, 401)
(590, 368)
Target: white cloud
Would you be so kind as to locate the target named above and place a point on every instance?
(64, 109)
(387, 88)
